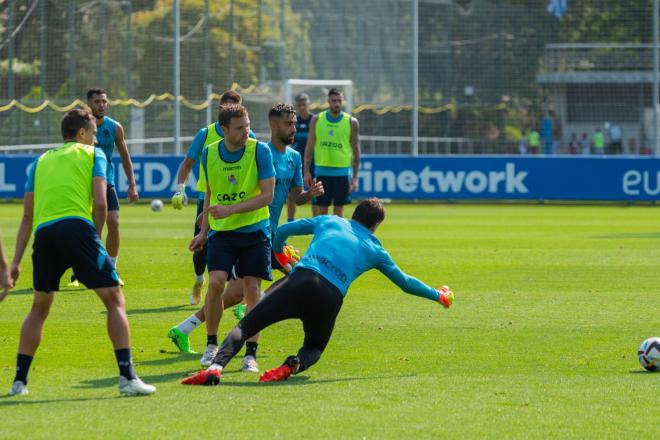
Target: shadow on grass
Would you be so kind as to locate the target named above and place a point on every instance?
(172, 359)
(21, 292)
(161, 310)
(113, 381)
(630, 235)
(21, 400)
(299, 380)
(644, 372)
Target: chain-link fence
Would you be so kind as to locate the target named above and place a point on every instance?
(492, 74)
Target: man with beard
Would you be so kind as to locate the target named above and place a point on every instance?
(288, 183)
(109, 134)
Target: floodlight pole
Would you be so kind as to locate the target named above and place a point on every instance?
(656, 77)
(415, 106)
(177, 78)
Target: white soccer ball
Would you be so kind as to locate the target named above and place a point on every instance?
(156, 205)
(649, 354)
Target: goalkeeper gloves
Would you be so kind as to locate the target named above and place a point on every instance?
(289, 255)
(180, 198)
(445, 297)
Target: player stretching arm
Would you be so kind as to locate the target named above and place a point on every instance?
(340, 251)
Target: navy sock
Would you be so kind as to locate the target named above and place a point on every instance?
(125, 363)
(211, 339)
(290, 219)
(251, 349)
(23, 362)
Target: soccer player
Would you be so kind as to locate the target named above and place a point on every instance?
(205, 136)
(288, 182)
(303, 120)
(240, 182)
(334, 145)
(66, 204)
(5, 277)
(340, 251)
(111, 133)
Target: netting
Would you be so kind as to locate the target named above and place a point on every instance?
(490, 72)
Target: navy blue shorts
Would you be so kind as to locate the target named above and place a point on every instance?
(249, 251)
(111, 197)
(336, 191)
(70, 243)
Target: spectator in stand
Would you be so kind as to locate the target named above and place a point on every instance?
(585, 145)
(547, 134)
(534, 141)
(598, 142)
(616, 139)
(574, 144)
(522, 143)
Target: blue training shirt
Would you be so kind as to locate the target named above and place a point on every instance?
(265, 167)
(302, 133)
(288, 174)
(342, 250)
(106, 135)
(99, 170)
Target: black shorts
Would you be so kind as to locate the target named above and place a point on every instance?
(303, 295)
(200, 209)
(111, 197)
(249, 251)
(336, 191)
(70, 243)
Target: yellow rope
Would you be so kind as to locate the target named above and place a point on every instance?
(378, 110)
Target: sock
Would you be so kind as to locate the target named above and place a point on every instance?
(190, 324)
(290, 219)
(113, 261)
(125, 363)
(23, 362)
(251, 349)
(212, 340)
(215, 367)
(199, 279)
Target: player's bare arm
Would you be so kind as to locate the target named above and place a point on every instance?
(267, 187)
(309, 152)
(5, 276)
(23, 235)
(301, 197)
(355, 146)
(126, 162)
(100, 207)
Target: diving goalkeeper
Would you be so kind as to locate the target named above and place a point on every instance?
(340, 251)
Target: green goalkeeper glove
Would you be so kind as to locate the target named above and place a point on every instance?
(180, 198)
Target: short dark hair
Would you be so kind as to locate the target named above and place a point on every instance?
(74, 120)
(231, 97)
(279, 110)
(95, 91)
(369, 212)
(302, 97)
(229, 111)
(335, 91)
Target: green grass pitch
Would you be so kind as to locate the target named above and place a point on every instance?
(551, 304)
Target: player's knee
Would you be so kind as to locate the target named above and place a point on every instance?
(308, 356)
(216, 281)
(113, 222)
(112, 298)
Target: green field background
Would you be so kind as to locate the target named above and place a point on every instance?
(551, 305)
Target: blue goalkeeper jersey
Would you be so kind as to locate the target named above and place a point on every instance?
(342, 250)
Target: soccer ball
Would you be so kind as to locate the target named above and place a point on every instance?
(649, 354)
(156, 205)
